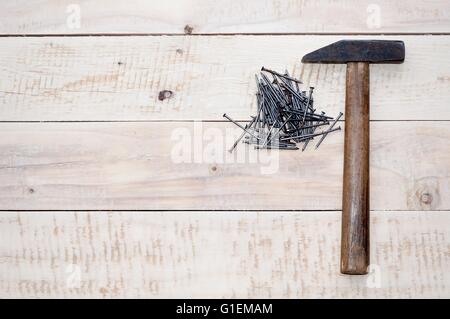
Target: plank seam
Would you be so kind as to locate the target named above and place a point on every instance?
(38, 35)
(208, 210)
(180, 121)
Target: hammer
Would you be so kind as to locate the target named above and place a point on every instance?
(357, 54)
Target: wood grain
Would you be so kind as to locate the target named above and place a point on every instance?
(120, 78)
(224, 16)
(356, 194)
(215, 255)
(141, 166)
(125, 166)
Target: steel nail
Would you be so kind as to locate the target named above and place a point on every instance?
(329, 130)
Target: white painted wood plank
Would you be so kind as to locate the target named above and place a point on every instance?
(119, 78)
(141, 166)
(218, 255)
(223, 16)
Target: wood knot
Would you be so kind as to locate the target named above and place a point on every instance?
(31, 190)
(103, 291)
(214, 168)
(165, 94)
(188, 29)
(424, 194)
(426, 198)
(119, 63)
(180, 51)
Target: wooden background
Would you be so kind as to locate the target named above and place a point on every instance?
(93, 205)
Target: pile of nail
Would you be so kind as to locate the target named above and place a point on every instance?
(286, 118)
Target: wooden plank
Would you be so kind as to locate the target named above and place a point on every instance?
(224, 16)
(118, 78)
(183, 166)
(245, 255)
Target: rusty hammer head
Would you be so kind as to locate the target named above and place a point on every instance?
(370, 51)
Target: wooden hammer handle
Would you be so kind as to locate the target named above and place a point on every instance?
(355, 199)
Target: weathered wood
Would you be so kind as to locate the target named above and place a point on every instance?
(128, 166)
(355, 196)
(224, 16)
(120, 78)
(210, 255)
(131, 166)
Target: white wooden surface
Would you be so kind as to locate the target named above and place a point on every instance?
(123, 166)
(224, 16)
(119, 78)
(231, 255)
(82, 129)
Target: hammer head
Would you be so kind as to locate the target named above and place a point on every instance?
(370, 51)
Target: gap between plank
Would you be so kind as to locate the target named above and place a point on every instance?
(208, 210)
(180, 121)
(37, 35)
